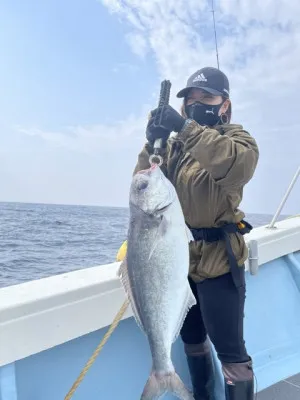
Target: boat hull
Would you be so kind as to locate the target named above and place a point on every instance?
(35, 365)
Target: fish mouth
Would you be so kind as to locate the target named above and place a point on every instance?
(162, 209)
(156, 213)
(147, 171)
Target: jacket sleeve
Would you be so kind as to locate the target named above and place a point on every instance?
(143, 159)
(231, 158)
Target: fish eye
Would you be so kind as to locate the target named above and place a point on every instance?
(142, 185)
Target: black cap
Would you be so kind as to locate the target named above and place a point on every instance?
(210, 79)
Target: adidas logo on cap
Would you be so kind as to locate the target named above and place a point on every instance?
(200, 78)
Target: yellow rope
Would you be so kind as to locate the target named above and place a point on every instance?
(113, 326)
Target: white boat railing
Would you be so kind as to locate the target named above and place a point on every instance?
(272, 223)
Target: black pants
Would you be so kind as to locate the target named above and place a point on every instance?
(219, 313)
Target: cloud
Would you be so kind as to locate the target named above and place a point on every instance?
(254, 40)
(116, 137)
(138, 44)
(259, 50)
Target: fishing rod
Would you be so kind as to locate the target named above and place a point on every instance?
(216, 42)
(164, 100)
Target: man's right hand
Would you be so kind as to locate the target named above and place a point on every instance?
(155, 132)
(169, 121)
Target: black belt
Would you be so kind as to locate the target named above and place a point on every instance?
(222, 233)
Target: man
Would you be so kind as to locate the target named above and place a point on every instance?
(209, 162)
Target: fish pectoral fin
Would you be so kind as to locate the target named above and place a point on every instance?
(123, 274)
(189, 302)
(160, 233)
(189, 234)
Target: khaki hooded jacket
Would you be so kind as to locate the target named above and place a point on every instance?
(209, 168)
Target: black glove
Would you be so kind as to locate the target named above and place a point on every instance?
(160, 126)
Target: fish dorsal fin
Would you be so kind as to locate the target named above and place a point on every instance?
(123, 275)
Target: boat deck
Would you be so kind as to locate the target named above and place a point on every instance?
(288, 389)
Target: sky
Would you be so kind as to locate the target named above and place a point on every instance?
(78, 79)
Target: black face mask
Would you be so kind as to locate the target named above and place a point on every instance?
(204, 114)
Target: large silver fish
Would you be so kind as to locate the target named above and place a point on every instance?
(154, 274)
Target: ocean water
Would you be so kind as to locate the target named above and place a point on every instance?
(39, 240)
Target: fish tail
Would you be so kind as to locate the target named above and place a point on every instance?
(159, 383)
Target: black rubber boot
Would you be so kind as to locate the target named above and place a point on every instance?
(239, 390)
(201, 370)
(239, 382)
